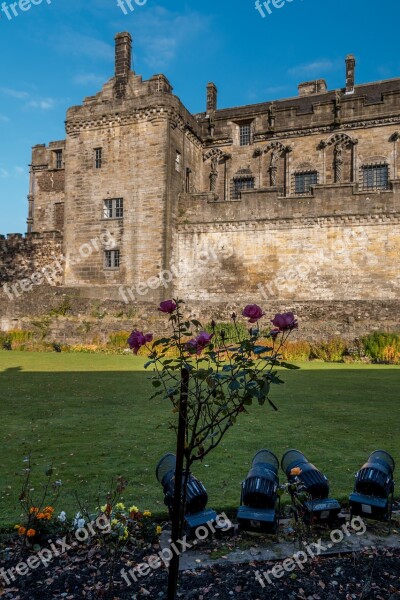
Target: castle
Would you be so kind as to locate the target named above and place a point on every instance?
(296, 200)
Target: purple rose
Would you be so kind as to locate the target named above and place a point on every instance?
(197, 344)
(137, 339)
(253, 312)
(285, 321)
(168, 306)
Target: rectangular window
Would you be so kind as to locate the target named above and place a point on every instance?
(178, 158)
(375, 177)
(58, 159)
(245, 134)
(113, 208)
(304, 181)
(98, 157)
(111, 259)
(240, 184)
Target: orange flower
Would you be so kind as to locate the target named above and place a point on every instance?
(33, 510)
(21, 531)
(48, 509)
(41, 516)
(31, 532)
(296, 471)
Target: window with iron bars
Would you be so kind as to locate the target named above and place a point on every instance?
(98, 158)
(58, 159)
(111, 259)
(304, 181)
(375, 177)
(245, 134)
(113, 208)
(239, 184)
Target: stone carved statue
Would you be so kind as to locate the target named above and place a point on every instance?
(214, 172)
(273, 168)
(338, 163)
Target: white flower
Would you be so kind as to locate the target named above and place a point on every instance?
(62, 517)
(79, 522)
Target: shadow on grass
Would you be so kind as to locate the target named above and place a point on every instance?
(96, 425)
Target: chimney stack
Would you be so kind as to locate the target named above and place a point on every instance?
(123, 60)
(212, 97)
(350, 73)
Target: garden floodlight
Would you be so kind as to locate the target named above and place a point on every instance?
(196, 513)
(318, 506)
(257, 511)
(374, 488)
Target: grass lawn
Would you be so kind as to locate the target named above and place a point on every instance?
(90, 416)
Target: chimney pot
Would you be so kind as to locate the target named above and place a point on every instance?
(212, 97)
(123, 61)
(350, 73)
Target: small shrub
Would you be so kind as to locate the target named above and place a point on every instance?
(330, 351)
(382, 347)
(118, 339)
(231, 332)
(297, 351)
(62, 309)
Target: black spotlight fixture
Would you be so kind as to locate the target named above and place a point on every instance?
(374, 488)
(196, 513)
(260, 494)
(317, 506)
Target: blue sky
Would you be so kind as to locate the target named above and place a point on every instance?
(59, 51)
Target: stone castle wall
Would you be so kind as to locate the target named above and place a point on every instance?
(94, 316)
(24, 258)
(185, 218)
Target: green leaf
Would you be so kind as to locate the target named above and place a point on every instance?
(156, 383)
(261, 349)
(234, 385)
(196, 323)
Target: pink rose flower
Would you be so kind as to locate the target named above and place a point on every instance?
(197, 344)
(168, 306)
(285, 321)
(137, 339)
(253, 312)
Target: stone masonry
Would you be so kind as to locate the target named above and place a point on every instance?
(284, 202)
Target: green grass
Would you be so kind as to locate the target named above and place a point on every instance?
(90, 416)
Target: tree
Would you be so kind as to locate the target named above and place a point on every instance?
(210, 378)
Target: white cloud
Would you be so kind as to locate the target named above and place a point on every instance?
(161, 33)
(77, 44)
(20, 170)
(317, 68)
(89, 78)
(44, 104)
(3, 173)
(29, 100)
(19, 94)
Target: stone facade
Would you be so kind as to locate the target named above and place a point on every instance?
(296, 200)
